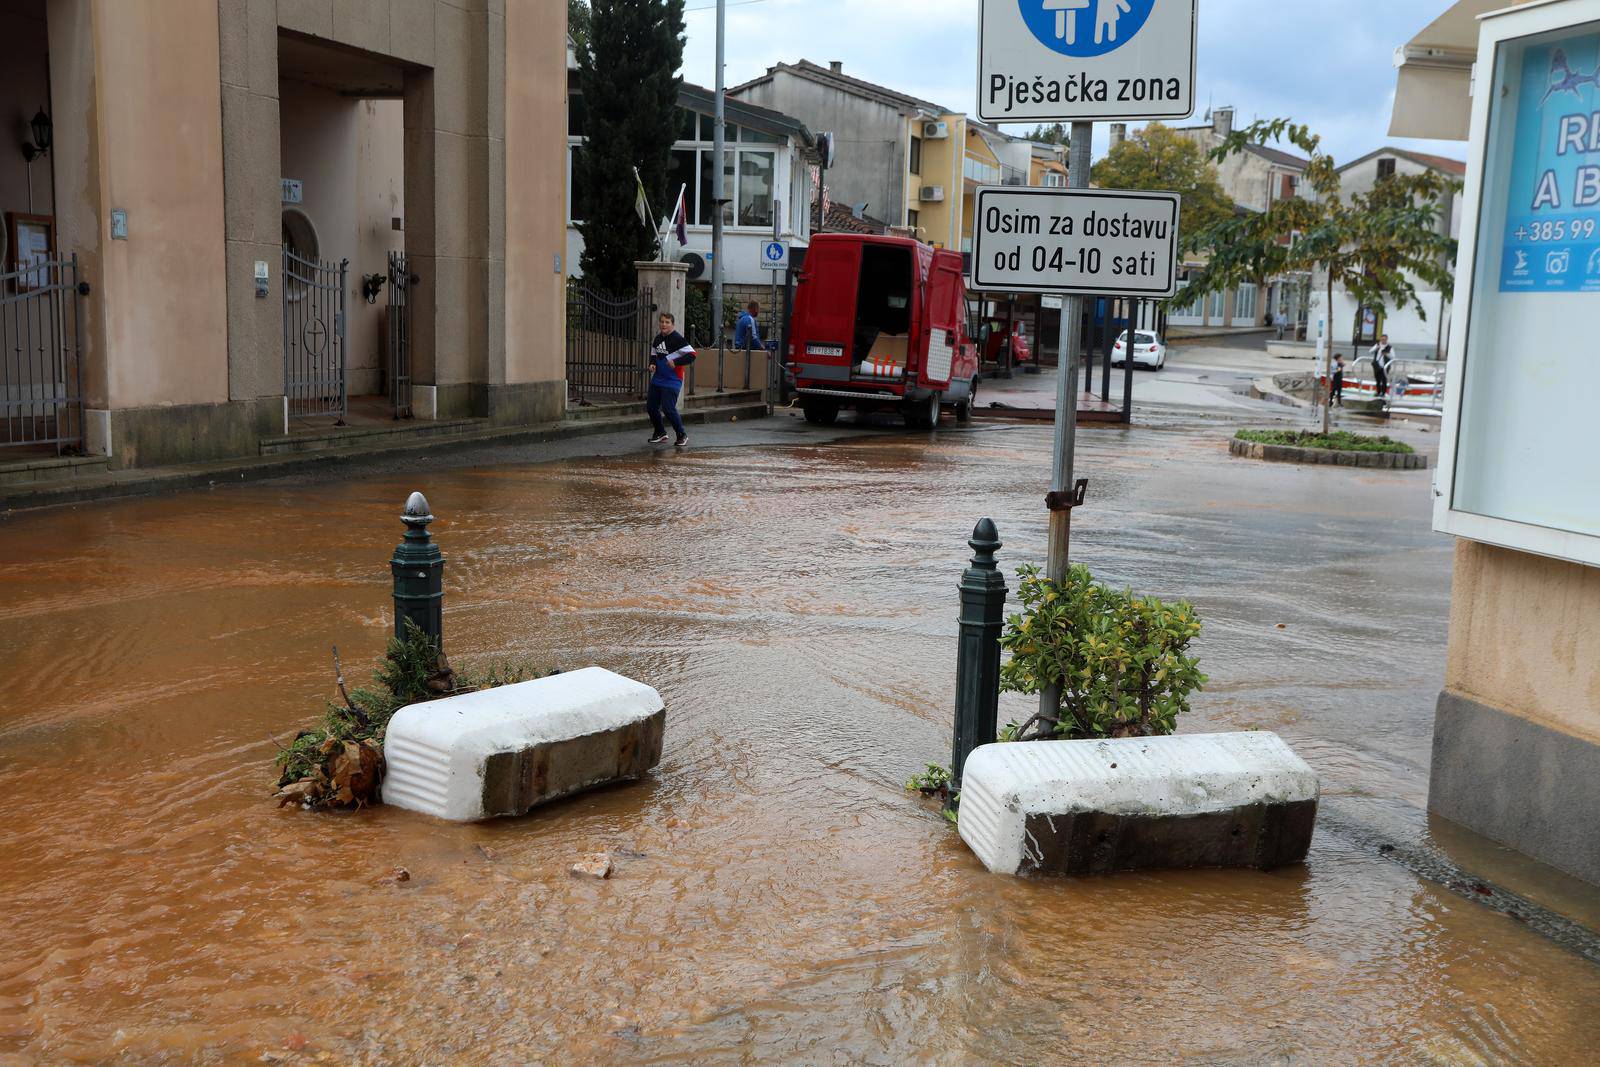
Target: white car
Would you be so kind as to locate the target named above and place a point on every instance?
(1148, 350)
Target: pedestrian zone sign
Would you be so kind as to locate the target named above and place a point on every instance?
(1092, 242)
(1085, 60)
(775, 255)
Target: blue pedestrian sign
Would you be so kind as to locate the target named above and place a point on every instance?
(774, 255)
(1085, 60)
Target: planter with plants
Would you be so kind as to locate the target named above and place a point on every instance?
(1338, 447)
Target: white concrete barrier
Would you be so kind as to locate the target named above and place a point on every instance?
(503, 751)
(1195, 800)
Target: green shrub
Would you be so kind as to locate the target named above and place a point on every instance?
(1337, 440)
(1120, 659)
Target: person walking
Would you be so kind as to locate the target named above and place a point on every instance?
(670, 355)
(1336, 386)
(747, 335)
(747, 330)
(1382, 362)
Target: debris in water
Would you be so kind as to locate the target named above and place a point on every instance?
(596, 866)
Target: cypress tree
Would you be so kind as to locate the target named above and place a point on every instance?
(628, 75)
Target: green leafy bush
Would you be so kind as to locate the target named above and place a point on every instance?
(1336, 440)
(1120, 659)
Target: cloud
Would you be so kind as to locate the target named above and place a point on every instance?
(1327, 64)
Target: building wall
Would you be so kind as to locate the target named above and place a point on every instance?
(871, 139)
(1516, 749)
(163, 294)
(379, 200)
(939, 222)
(1525, 637)
(24, 89)
(535, 123)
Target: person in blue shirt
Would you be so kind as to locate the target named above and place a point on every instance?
(746, 333)
(670, 356)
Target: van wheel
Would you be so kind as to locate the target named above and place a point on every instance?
(964, 409)
(820, 412)
(924, 414)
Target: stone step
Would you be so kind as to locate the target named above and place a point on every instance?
(507, 750)
(1089, 807)
(351, 437)
(49, 468)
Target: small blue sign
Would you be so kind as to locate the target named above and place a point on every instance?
(1085, 27)
(774, 255)
(1552, 230)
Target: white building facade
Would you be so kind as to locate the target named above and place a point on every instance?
(1414, 334)
(768, 160)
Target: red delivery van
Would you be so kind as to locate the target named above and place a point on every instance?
(879, 323)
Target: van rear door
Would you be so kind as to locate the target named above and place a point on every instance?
(824, 321)
(942, 317)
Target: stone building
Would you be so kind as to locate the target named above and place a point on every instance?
(256, 218)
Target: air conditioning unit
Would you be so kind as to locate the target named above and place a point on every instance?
(931, 194)
(697, 262)
(935, 131)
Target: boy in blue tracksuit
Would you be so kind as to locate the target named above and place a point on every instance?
(670, 355)
(746, 331)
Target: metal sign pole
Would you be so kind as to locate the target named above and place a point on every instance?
(1063, 493)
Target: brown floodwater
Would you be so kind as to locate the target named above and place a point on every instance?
(778, 895)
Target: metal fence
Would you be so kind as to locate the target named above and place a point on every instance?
(41, 349)
(607, 337)
(399, 327)
(313, 336)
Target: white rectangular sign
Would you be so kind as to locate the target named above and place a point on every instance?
(1088, 241)
(1072, 60)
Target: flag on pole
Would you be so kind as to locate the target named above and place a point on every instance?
(680, 219)
(640, 204)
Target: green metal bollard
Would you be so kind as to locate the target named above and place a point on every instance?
(418, 575)
(983, 603)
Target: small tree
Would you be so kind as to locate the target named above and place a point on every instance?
(578, 24)
(1055, 133)
(1372, 244)
(628, 74)
(1158, 158)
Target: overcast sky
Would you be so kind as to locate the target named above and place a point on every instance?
(1327, 63)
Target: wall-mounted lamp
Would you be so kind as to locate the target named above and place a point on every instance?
(371, 286)
(41, 129)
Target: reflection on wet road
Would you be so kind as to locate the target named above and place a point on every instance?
(778, 895)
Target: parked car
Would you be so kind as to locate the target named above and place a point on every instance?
(996, 343)
(880, 324)
(1149, 350)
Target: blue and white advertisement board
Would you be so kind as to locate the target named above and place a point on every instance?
(1518, 466)
(1552, 227)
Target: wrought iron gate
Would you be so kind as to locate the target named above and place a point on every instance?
(41, 381)
(313, 336)
(400, 282)
(606, 339)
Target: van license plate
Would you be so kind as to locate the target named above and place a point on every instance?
(825, 350)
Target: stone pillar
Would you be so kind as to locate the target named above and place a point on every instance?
(668, 284)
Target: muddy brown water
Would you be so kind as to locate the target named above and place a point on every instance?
(778, 896)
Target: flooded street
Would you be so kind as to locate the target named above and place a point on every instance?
(778, 894)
